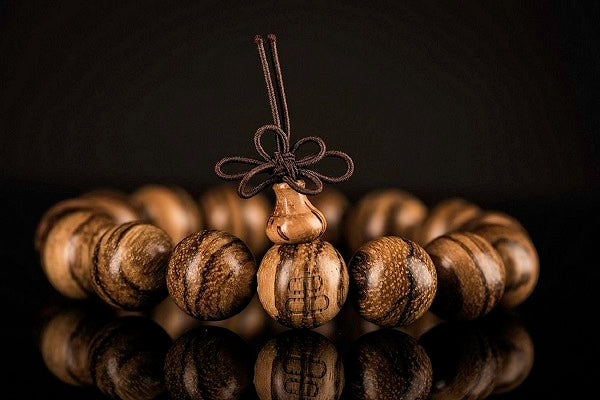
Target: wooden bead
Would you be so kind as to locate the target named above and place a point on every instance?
(127, 358)
(302, 285)
(387, 364)
(129, 265)
(67, 252)
(470, 274)
(114, 203)
(172, 319)
(393, 281)
(445, 217)
(170, 208)
(211, 275)
(520, 261)
(246, 219)
(299, 365)
(334, 206)
(294, 219)
(490, 218)
(384, 213)
(209, 363)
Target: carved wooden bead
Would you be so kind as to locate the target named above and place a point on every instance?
(129, 265)
(294, 219)
(299, 365)
(520, 261)
(246, 219)
(67, 252)
(490, 218)
(384, 213)
(209, 363)
(445, 217)
(170, 208)
(334, 206)
(387, 364)
(211, 275)
(302, 285)
(470, 274)
(393, 281)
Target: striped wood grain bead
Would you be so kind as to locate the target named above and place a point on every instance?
(445, 217)
(211, 275)
(68, 249)
(471, 276)
(393, 281)
(334, 206)
(299, 365)
(129, 265)
(170, 208)
(302, 285)
(246, 219)
(388, 212)
(520, 261)
(490, 218)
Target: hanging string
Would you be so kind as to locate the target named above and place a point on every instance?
(282, 165)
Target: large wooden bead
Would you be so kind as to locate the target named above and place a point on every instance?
(127, 359)
(129, 265)
(334, 206)
(393, 281)
(470, 274)
(170, 208)
(294, 219)
(302, 285)
(387, 364)
(299, 365)
(209, 363)
(445, 217)
(490, 218)
(211, 275)
(246, 219)
(384, 213)
(67, 252)
(520, 261)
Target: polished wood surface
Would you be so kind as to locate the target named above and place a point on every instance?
(211, 275)
(471, 276)
(445, 217)
(392, 281)
(303, 285)
(490, 218)
(129, 265)
(334, 205)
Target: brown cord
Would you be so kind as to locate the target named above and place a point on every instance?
(282, 166)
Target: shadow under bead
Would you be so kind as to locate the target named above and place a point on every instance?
(170, 208)
(299, 365)
(211, 275)
(246, 219)
(393, 281)
(470, 274)
(520, 261)
(302, 285)
(334, 206)
(445, 217)
(129, 265)
(209, 363)
(387, 364)
(388, 212)
(127, 359)
(67, 252)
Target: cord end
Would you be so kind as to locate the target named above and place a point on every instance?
(258, 39)
(272, 37)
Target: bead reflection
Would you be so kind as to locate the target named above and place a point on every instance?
(298, 365)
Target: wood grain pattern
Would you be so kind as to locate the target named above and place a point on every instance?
(294, 219)
(445, 217)
(211, 275)
(387, 364)
(393, 281)
(299, 365)
(209, 363)
(334, 205)
(520, 261)
(490, 218)
(67, 252)
(170, 208)
(127, 359)
(388, 212)
(302, 285)
(471, 276)
(246, 219)
(129, 265)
